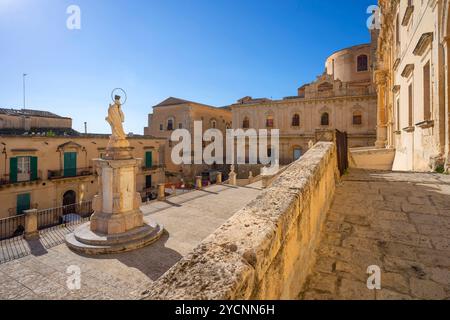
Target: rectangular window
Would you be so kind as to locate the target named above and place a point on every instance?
(23, 169)
(410, 105)
(70, 164)
(180, 126)
(148, 159)
(398, 115)
(426, 92)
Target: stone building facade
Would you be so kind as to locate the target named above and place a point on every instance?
(174, 113)
(47, 164)
(413, 83)
(342, 98)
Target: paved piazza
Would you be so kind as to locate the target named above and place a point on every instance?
(37, 270)
(397, 221)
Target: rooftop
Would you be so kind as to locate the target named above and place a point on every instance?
(30, 113)
(171, 101)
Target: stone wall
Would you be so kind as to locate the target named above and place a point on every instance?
(265, 251)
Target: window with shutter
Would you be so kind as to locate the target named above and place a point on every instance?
(33, 168)
(148, 159)
(13, 170)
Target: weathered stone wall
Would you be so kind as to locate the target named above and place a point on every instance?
(265, 251)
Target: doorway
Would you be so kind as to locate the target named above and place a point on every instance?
(297, 153)
(69, 202)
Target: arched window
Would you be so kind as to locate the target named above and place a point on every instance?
(357, 118)
(296, 120)
(246, 123)
(170, 124)
(325, 119)
(363, 63)
(269, 122)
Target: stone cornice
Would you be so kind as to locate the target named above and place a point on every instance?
(408, 14)
(424, 42)
(409, 68)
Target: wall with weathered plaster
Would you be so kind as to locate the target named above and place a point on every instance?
(265, 251)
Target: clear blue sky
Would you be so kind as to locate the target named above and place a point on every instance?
(209, 51)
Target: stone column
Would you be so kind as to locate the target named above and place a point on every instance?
(198, 182)
(265, 181)
(31, 224)
(161, 192)
(232, 178)
(219, 178)
(380, 82)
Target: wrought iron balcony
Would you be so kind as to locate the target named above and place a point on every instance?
(152, 168)
(69, 173)
(5, 180)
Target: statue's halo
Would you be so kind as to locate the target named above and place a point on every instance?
(113, 93)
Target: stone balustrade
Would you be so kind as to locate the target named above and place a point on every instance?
(266, 250)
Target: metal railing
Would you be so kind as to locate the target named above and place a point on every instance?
(6, 180)
(61, 174)
(12, 227)
(71, 214)
(153, 167)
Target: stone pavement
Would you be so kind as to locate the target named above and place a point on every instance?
(40, 272)
(397, 221)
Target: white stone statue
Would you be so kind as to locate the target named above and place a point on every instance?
(115, 119)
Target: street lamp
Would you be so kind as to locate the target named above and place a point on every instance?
(23, 80)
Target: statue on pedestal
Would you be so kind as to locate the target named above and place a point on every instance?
(117, 224)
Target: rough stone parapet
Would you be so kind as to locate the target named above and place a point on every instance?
(265, 251)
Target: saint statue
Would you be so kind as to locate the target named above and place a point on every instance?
(115, 119)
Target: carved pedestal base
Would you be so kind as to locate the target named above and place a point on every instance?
(108, 223)
(117, 224)
(85, 241)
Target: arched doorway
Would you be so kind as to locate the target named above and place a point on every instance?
(69, 201)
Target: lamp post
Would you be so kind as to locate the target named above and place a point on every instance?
(23, 81)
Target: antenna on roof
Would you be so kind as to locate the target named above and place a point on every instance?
(23, 80)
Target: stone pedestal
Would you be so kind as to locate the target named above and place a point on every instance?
(219, 178)
(161, 192)
(116, 207)
(198, 182)
(117, 224)
(31, 224)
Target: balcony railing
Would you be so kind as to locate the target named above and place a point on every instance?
(65, 173)
(12, 227)
(154, 167)
(5, 180)
(71, 214)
